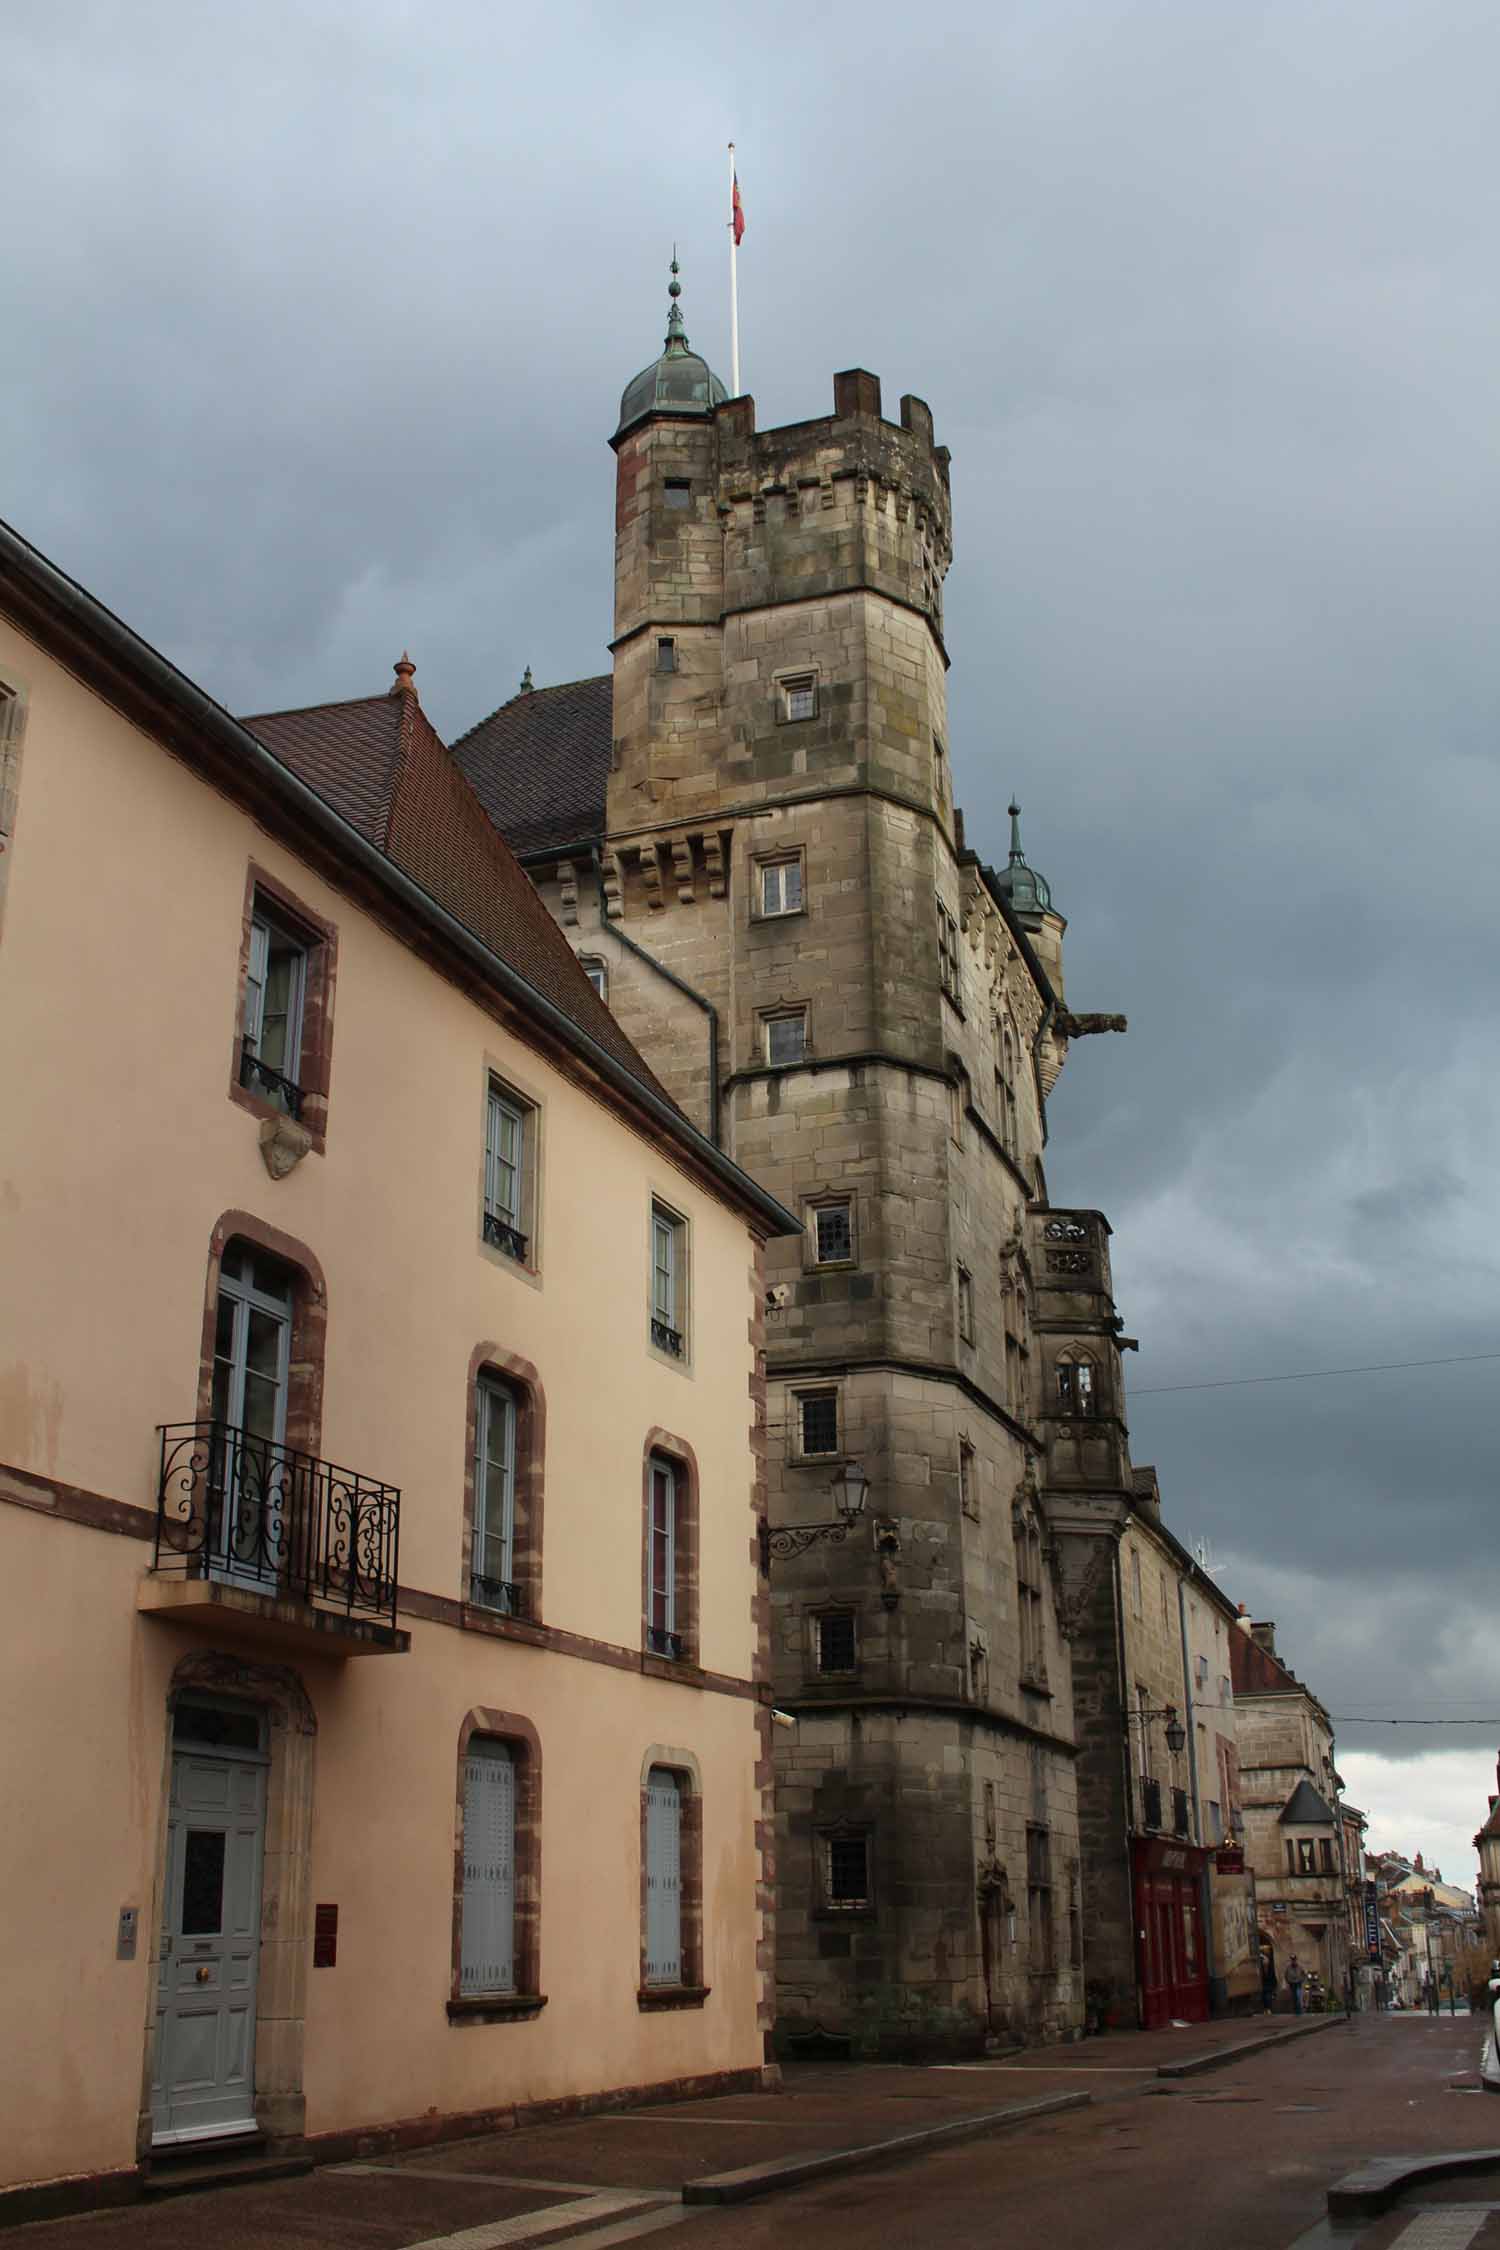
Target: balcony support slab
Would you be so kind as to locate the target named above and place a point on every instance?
(293, 1628)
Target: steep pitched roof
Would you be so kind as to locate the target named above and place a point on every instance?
(540, 764)
(1306, 1809)
(379, 762)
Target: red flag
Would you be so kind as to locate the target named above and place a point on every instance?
(738, 220)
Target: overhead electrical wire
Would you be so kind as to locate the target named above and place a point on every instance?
(1311, 1374)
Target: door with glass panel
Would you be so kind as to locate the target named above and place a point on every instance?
(250, 1475)
(203, 2064)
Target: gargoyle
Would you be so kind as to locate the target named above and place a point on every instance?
(1083, 1027)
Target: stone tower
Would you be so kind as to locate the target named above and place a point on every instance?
(750, 835)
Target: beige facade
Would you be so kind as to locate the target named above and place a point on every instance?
(1293, 1833)
(137, 1172)
(1487, 1844)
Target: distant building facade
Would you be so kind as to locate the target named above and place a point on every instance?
(1290, 1794)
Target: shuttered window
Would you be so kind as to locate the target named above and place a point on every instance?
(488, 1960)
(663, 1877)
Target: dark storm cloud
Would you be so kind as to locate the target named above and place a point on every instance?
(316, 324)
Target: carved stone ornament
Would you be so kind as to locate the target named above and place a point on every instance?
(1084, 1027)
(283, 1144)
(1077, 1565)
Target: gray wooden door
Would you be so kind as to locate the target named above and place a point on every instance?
(203, 2079)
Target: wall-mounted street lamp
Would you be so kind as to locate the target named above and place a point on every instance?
(850, 1489)
(1176, 1732)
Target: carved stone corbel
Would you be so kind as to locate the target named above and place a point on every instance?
(713, 856)
(682, 868)
(567, 892)
(649, 854)
(283, 1144)
(614, 904)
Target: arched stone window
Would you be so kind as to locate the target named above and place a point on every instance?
(1078, 1385)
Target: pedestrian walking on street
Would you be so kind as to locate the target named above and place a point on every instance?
(1294, 1975)
(1430, 1992)
(1268, 1981)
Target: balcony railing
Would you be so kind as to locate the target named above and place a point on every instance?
(502, 1595)
(1180, 1812)
(272, 1085)
(236, 1508)
(501, 1235)
(1151, 1803)
(666, 1338)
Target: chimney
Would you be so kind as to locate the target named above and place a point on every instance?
(1264, 1636)
(1420, 1869)
(1245, 1626)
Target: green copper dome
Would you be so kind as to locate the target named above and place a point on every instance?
(1026, 892)
(677, 383)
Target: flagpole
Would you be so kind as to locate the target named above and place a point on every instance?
(734, 290)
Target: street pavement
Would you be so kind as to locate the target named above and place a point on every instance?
(1239, 2158)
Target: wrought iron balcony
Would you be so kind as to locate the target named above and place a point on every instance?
(663, 1643)
(502, 1595)
(501, 1235)
(258, 1077)
(237, 1509)
(1180, 1812)
(1151, 1803)
(666, 1338)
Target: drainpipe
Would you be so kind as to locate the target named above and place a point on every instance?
(614, 930)
(1205, 1888)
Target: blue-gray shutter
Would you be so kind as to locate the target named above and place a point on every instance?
(663, 1877)
(487, 1962)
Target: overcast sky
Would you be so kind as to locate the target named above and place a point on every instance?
(316, 321)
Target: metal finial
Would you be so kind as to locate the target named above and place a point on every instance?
(676, 333)
(528, 685)
(1016, 853)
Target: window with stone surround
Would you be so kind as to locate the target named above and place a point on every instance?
(831, 1221)
(968, 1479)
(597, 972)
(1042, 1937)
(669, 1620)
(817, 1424)
(837, 1642)
(669, 1281)
(666, 653)
(510, 1164)
(503, 1485)
(1027, 1536)
(671, 1961)
(965, 1281)
(778, 886)
(285, 1024)
(497, 1918)
(1077, 1385)
(679, 492)
(844, 1870)
(796, 697)
(785, 1034)
(947, 931)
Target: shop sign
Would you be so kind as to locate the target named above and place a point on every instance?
(1372, 1923)
(1229, 1860)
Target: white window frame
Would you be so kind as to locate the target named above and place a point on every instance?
(669, 1281)
(487, 1929)
(784, 1015)
(776, 884)
(661, 1558)
(267, 930)
(494, 1401)
(509, 1168)
(596, 969)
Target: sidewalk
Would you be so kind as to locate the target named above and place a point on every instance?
(627, 2168)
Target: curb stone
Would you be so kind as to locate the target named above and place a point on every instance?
(1374, 2187)
(1219, 2058)
(764, 2179)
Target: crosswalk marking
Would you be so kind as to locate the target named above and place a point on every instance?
(1452, 2229)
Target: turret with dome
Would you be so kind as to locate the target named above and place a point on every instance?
(680, 382)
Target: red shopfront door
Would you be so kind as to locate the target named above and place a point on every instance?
(1171, 1966)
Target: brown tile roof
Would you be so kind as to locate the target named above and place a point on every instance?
(540, 764)
(379, 762)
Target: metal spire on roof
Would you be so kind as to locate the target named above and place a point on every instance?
(528, 684)
(1017, 856)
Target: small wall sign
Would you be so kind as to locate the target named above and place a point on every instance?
(125, 1933)
(325, 1937)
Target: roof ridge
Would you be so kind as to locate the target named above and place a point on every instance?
(531, 694)
(300, 710)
